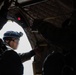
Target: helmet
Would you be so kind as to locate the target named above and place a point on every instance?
(12, 34)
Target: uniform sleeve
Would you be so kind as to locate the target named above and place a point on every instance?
(26, 56)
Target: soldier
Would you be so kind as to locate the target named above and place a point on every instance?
(11, 61)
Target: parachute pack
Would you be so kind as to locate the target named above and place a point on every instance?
(60, 64)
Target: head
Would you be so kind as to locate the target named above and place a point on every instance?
(11, 38)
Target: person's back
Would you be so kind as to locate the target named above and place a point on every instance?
(11, 63)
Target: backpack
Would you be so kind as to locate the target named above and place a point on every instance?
(60, 64)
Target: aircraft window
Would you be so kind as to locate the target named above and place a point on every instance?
(24, 45)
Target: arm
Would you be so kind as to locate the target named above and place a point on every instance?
(26, 56)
